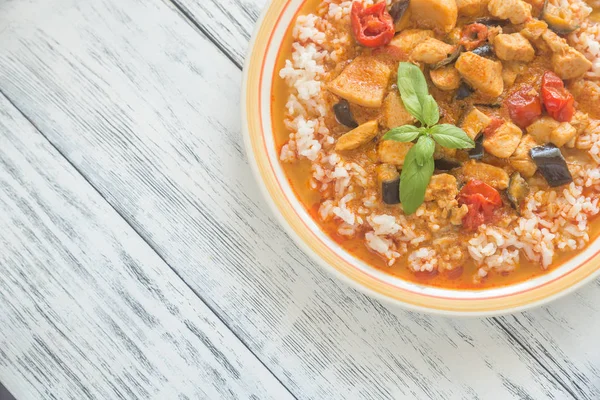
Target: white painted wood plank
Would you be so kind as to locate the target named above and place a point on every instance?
(538, 331)
(87, 309)
(148, 110)
(564, 336)
(227, 23)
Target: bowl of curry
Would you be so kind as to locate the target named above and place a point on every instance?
(443, 155)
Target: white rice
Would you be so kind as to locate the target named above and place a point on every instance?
(423, 260)
(587, 41)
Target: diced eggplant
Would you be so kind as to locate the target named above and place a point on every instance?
(445, 164)
(463, 91)
(551, 164)
(390, 191)
(491, 21)
(343, 114)
(398, 9)
(448, 60)
(559, 19)
(560, 26)
(477, 152)
(389, 179)
(517, 190)
(484, 50)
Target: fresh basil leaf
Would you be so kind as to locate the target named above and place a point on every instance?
(415, 77)
(413, 89)
(406, 133)
(431, 111)
(410, 99)
(425, 149)
(415, 178)
(452, 137)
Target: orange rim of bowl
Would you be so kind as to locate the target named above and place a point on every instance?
(254, 74)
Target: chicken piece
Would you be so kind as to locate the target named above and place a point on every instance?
(510, 71)
(457, 214)
(431, 51)
(443, 152)
(533, 30)
(571, 143)
(493, 32)
(482, 74)
(554, 42)
(548, 130)
(493, 176)
(509, 77)
(364, 82)
(521, 160)
(570, 64)
(394, 113)
(541, 130)
(517, 11)
(504, 141)
(438, 14)
(445, 78)
(407, 40)
(474, 123)
(357, 136)
(454, 36)
(471, 8)
(441, 188)
(562, 134)
(580, 121)
(392, 152)
(513, 47)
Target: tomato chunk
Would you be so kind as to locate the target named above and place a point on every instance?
(559, 102)
(524, 106)
(372, 26)
(482, 201)
(473, 35)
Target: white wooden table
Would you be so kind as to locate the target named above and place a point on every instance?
(138, 260)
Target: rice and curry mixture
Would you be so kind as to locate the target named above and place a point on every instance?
(449, 142)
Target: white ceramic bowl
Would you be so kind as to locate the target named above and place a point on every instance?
(264, 159)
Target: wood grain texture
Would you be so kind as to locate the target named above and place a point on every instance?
(147, 109)
(547, 333)
(227, 23)
(564, 337)
(87, 309)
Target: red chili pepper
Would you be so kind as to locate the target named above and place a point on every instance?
(482, 201)
(524, 106)
(559, 102)
(491, 128)
(473, 35)
(372, 26)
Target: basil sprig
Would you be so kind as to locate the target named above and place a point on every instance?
(419, 165)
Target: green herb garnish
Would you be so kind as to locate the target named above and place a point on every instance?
(419, 165)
